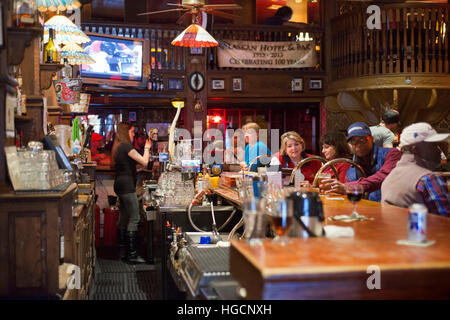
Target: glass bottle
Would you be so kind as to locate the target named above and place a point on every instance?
(50, 51)
(149, 83)
(25, 13)
(66, 71)
(161, 84)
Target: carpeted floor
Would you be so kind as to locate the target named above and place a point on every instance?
(117, 280)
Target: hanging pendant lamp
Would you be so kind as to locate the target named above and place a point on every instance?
(65, 30)
(75, 55)
(195, 36)
(55, 5)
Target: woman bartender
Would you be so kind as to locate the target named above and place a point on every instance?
(125, 158)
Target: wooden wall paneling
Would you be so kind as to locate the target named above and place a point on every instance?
(26, 249)
(412, 30)
(131, 10)
(111, 10)
(427, 39)
(377, 52)
(433, 39)
(172, 50)
(366, 56)
(360, 31)
(405, 48)
(396, 53)
(420, 31)
(446, 38)
(439, 38)
(384, 31)
(391, 42)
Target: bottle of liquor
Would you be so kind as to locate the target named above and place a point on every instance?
(161, 84)
(50, 51)
(155, 84)
(66, 71)
(149, 83)
(21, 97)
(25, 13)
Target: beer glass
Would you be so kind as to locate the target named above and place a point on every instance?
(323, 176)
(280, 220)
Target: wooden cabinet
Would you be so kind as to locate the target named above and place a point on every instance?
(29, 241)
(83, 248)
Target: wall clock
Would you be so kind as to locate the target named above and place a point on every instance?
(196, 81)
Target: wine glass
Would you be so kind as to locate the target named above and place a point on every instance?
(280, 220)
(354, 194)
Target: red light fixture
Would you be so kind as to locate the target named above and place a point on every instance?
(194, 36)
(216, 118)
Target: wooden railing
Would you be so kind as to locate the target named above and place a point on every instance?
(412, 39)
(164, 56)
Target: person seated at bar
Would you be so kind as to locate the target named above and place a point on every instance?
(335, 146)
(292, 151)
(254, 147)
(412, 180)
(383, 133)
(377, 163)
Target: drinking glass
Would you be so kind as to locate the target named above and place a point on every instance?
(354, 194)
(280, 220)
(323, 176)
(254, 222)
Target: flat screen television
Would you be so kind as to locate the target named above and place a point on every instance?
(61, 158)
(119, 61)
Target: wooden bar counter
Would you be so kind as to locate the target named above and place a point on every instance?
(337, 268)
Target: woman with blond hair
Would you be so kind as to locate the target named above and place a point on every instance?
(292, 151)
(124, 159)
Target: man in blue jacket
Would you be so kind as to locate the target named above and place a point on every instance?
(377, 162)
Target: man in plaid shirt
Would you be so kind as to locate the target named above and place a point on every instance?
(412, 180)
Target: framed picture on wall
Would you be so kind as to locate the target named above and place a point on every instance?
(175, 84)
(315, 84)
(196, 50)
(297, 84)
(237, 84)
(218, 84)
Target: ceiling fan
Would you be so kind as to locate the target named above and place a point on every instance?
(195, 7)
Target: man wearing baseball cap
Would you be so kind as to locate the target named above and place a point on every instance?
(377, 163)
(383, 133)
(412, 180)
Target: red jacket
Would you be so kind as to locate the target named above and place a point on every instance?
(309, 169)
(341, 169)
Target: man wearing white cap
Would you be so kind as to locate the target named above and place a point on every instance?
(412, 180)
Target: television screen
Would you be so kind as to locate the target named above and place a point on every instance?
(116, 58)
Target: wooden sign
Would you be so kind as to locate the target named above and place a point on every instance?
(273, 55)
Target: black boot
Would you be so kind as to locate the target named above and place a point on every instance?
(132, 254)
(121, 239)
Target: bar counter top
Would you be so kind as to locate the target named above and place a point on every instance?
(340, 268)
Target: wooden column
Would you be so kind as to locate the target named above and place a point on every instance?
(195, 63)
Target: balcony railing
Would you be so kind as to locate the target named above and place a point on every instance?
(412, 39)
(166, 57)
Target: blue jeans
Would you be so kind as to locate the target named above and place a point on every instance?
(129, 212)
